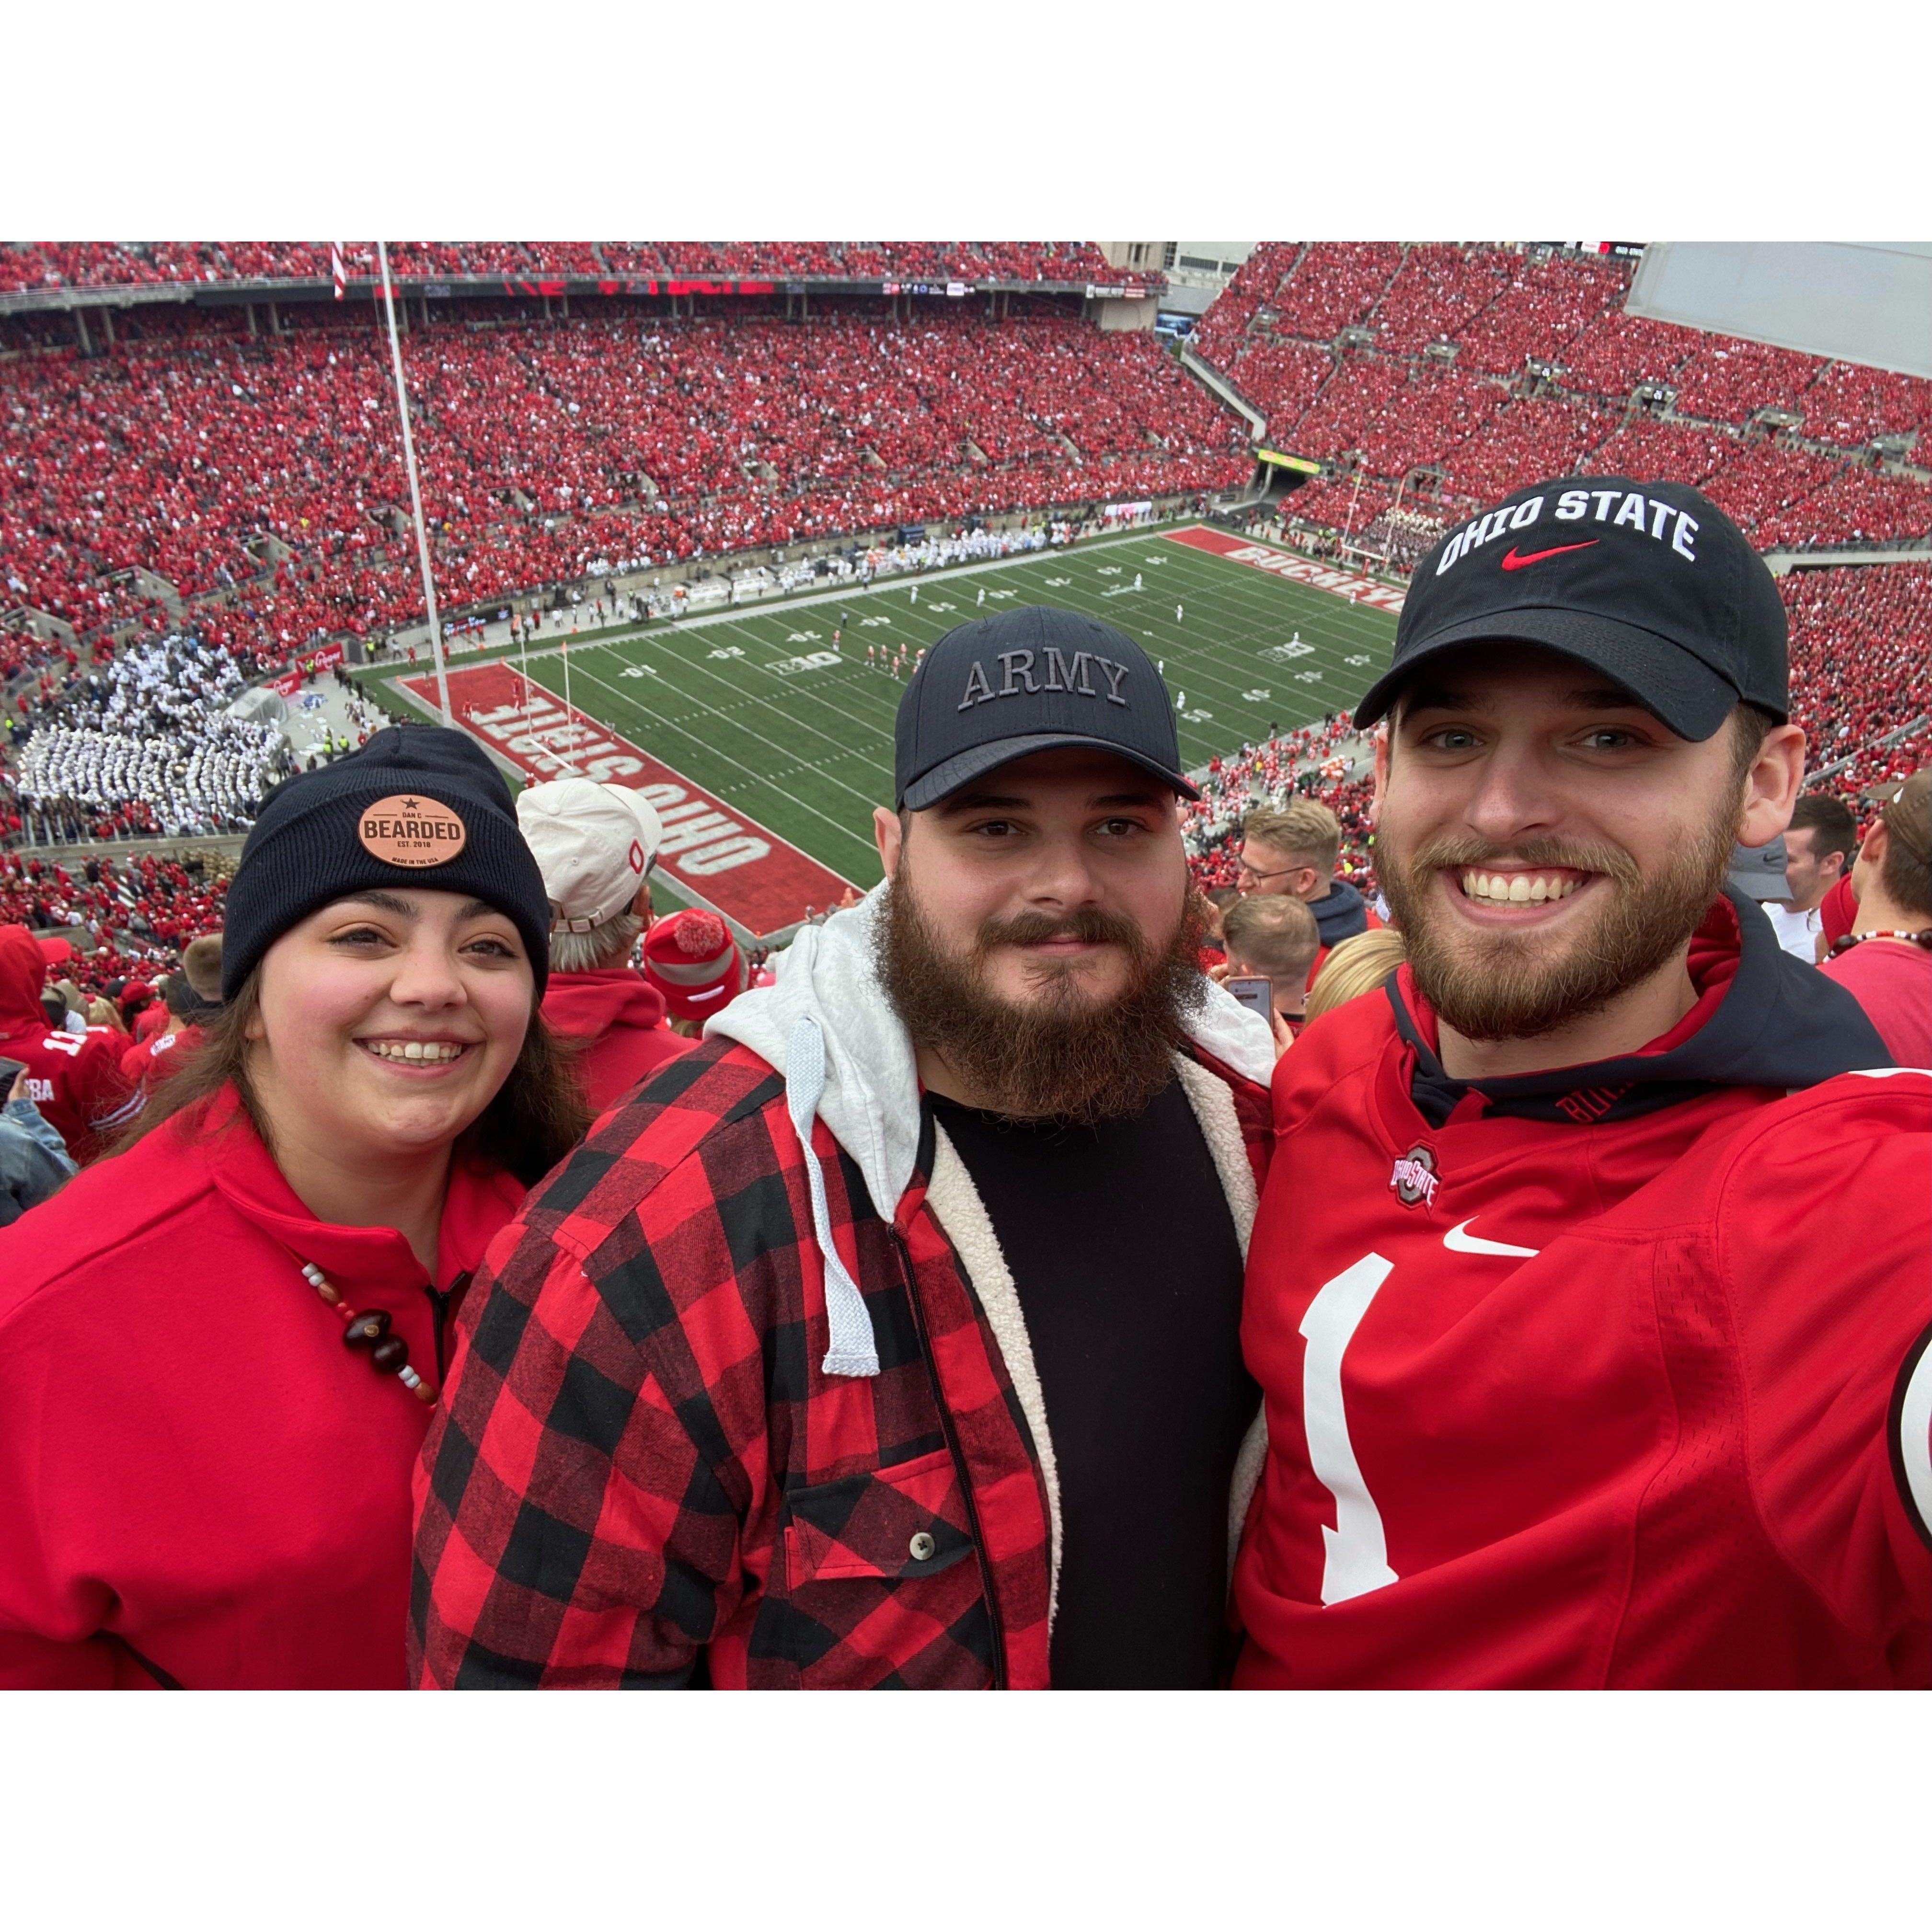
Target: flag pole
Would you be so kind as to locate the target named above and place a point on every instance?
(415, 488)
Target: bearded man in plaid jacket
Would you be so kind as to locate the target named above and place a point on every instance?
(891, 1338)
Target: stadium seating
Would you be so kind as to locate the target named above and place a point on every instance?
(39, 264)
(655, 439)
(1856, 505)
(1849, 404)
(1858, 668)
(1331, 285)
(1617, 352)
(1537, 437)
(258, 476)
(1281, 380)
(1756, 482)
(1394, 401)
(1439, 288)
(156, 904)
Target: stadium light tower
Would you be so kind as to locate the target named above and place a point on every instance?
(415, 488)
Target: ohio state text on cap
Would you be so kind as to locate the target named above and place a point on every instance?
(1031, 679)
(1649, 582)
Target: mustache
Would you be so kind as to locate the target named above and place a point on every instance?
(1091, 926)
(1449, 853)
(1059, 1057)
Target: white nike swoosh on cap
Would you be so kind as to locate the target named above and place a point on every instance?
(1458, 1242)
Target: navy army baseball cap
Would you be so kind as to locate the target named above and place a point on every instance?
(1650, 583)
(1030, 680)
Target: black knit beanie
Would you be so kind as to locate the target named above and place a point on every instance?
(417, 805)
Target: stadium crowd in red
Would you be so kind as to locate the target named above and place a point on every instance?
(1308, 762)
(154, 905)
(1389, 406)
(652, 439)
(261, 478)
(38, 265)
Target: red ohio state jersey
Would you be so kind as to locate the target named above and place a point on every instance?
(75, 1079)
(1627, 1389)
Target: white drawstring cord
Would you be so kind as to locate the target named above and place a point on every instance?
(853, 1351)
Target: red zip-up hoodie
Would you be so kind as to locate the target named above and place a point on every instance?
(199, 1483)
(618, 1017)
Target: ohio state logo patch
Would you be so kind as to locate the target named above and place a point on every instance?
(1414, 1179)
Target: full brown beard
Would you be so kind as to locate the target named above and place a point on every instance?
(1065, 1056)
(1516, 985)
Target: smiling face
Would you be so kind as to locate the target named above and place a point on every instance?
(1052, 870)
(388, 1021)
(1036, 936)
(1547, 843)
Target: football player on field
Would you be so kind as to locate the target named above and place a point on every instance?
(1589, 1293)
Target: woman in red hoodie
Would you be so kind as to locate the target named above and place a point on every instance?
(218, 1347)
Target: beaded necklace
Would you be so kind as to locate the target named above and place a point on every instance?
(389, 1354)
(1923, 937)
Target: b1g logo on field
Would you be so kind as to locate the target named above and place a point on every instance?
(1414, 1179)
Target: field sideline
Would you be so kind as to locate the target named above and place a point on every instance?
(753, 707)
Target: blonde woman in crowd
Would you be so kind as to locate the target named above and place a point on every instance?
(1356, 966)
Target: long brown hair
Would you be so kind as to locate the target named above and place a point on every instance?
(533, 1120)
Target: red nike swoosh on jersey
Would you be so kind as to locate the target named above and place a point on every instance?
(1513, 561)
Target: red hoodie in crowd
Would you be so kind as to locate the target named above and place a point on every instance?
(75, 1079)
(618, 1017)
(152, 1058)
(199, 1484)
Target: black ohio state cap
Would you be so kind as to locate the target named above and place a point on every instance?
(1030, 680)
(1650, 583)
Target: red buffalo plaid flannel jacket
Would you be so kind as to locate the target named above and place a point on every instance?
(641, 1475)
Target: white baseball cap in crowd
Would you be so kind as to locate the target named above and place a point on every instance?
(593, 843)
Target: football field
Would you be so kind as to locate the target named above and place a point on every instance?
(766, 744)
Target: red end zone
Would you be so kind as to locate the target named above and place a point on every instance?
(712, 849)
(1284, 563)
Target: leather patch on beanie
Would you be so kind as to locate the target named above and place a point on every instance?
(408, 829)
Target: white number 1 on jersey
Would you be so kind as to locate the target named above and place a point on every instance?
(1357, 1560)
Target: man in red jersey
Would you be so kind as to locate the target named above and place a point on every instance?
(1576, 1373)
(74, 1079)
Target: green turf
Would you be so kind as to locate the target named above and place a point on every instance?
(808, 752)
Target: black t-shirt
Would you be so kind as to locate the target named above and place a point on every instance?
(1124, 1255)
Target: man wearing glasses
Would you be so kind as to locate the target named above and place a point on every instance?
(1293, 852)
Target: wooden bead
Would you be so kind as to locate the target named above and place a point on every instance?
(367, 1328)
(389, 1354)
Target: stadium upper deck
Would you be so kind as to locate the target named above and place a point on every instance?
(255, 477)
(38, 266)
(216, 462)
(1479, 365)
